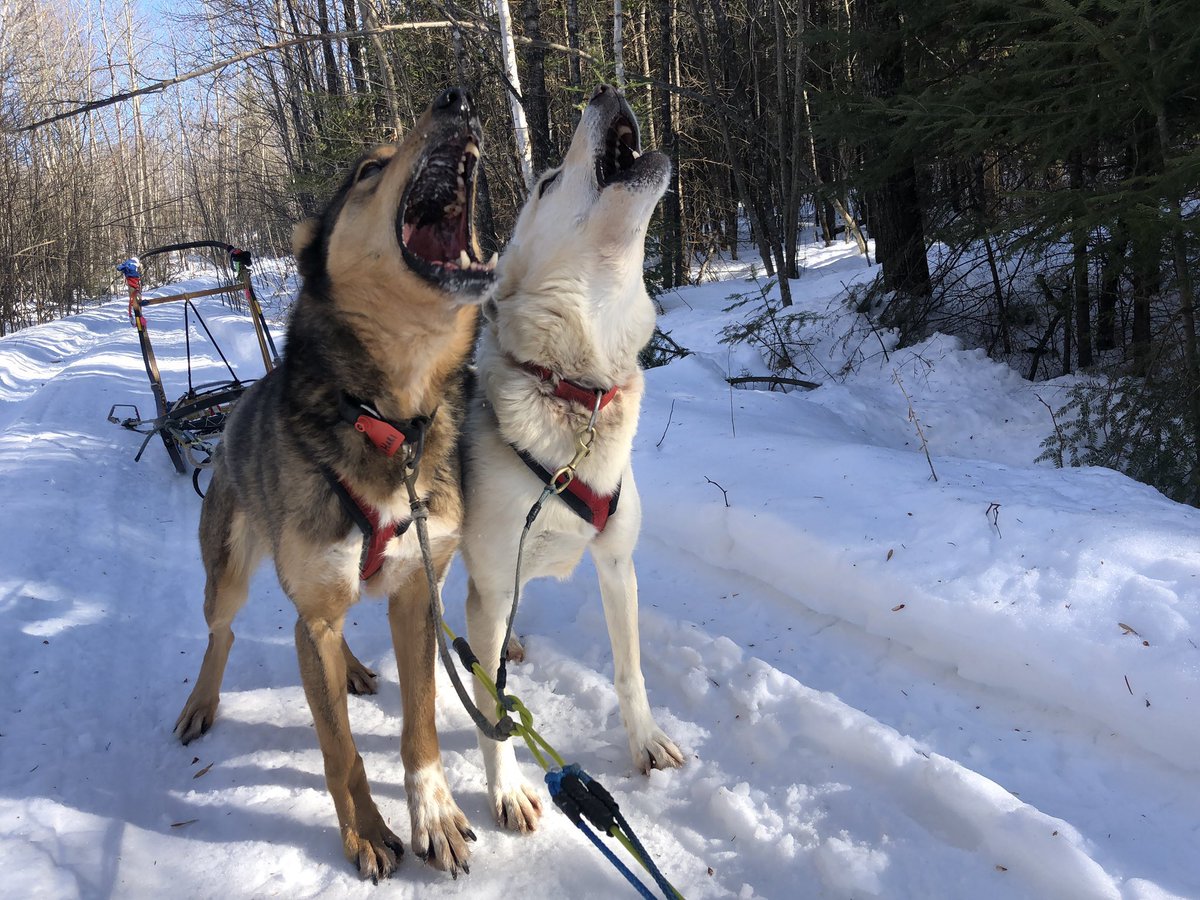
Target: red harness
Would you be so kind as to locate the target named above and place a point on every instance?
(590, 506)
(366, 517)
(388, 437)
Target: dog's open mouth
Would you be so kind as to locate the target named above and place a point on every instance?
(621, 150)
(619, 158)
(436, 219)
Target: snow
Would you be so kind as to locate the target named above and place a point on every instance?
(885, 685)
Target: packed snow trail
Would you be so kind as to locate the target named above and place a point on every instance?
(882, 691)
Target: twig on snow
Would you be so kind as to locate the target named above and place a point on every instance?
(912, 417)
(993, 515)
(670, 415)
(724, 492)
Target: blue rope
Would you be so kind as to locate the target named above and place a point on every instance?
(655, 872)
(612, 858)
(597, 806)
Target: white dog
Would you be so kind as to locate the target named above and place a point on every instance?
(562, 333)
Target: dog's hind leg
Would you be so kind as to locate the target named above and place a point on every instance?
(229, 554)
(651, 748)
(359, 679)
(440, 832)
(514, 800)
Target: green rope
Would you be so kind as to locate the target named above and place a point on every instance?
(524, 727)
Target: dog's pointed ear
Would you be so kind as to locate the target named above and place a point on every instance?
(303, 234)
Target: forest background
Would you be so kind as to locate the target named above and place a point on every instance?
(1022, 172)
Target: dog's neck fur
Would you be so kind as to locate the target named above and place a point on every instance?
(399, 367)
(562, 324)
(403, 369)
(590, 338)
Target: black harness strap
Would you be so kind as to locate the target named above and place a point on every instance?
(593, 508)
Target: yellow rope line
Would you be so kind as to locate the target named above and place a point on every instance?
(526, 730)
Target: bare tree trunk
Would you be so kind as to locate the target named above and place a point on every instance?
(536, 100)
(1083, 303)
(520, 127)
(354, 51)
(896, 215)
(671, 247)
(1110, 288)
(333, 81)
(371, 20)
(643, 48)
(786, 159)
(576, 76)
(619, 44)
(139, 134)
(1183, 275)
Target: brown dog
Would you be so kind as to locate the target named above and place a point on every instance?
(313, 464)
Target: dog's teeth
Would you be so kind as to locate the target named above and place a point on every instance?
(636, 155)
(464, 261)
(491, 263)
(473, 149)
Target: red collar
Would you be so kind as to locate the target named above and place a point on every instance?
(569, 390)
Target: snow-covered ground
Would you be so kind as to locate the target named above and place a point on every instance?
(886, 686)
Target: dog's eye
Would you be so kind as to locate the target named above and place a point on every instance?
(546, 182)
(367, 169)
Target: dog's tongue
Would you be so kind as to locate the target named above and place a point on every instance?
(434, 243)
(429, 242)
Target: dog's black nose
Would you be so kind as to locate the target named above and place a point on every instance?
(605, 95)
(455, 100)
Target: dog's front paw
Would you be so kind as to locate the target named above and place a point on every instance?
(518, 808)
(197, 717)
(655, 751)
(513, 651)
(440, 832)
(376, 851)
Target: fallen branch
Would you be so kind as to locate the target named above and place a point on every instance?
(774, 381)
(670, 416)
(724, 492)
(912, 417)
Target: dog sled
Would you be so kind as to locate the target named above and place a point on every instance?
(190, 426)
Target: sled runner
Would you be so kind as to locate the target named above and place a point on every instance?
(190, 426)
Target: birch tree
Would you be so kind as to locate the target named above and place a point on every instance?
(520, 126)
